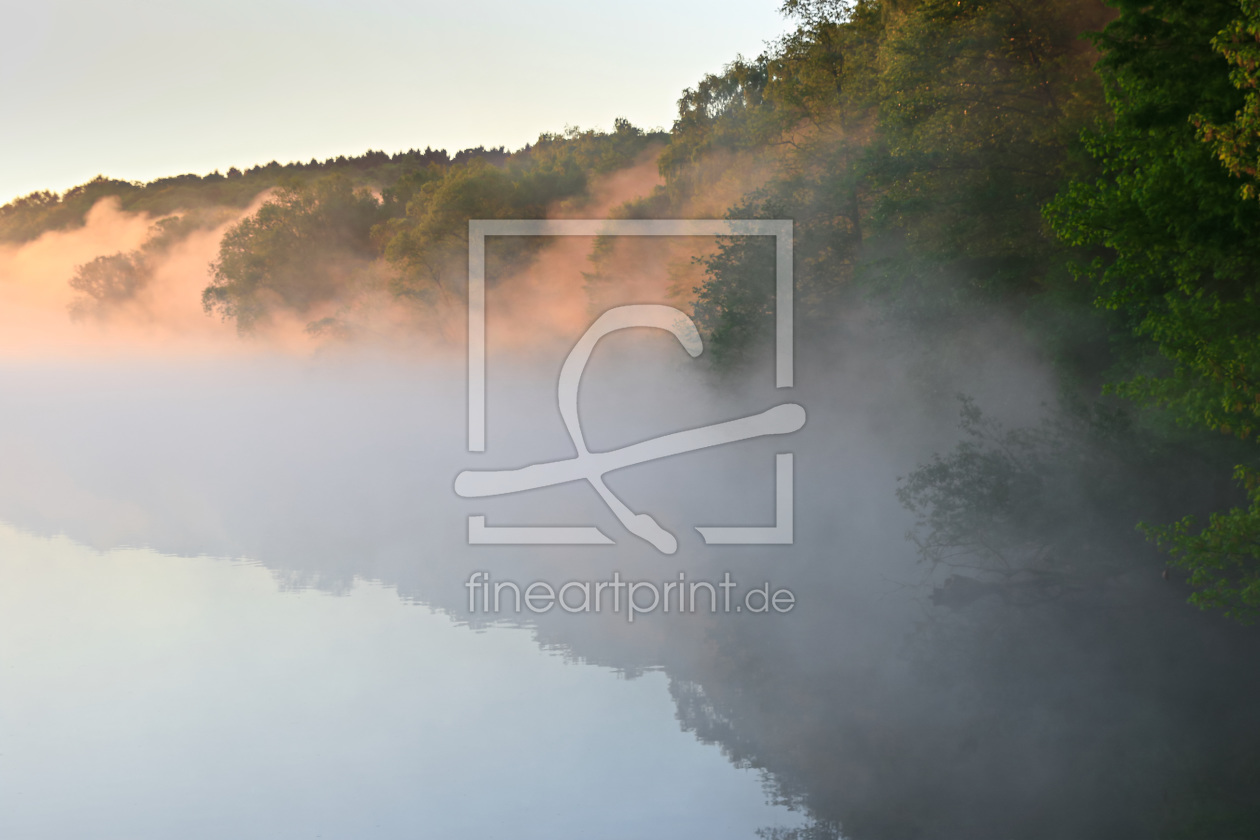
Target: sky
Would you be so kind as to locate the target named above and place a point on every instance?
(137, 89)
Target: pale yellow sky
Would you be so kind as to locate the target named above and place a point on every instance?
(137, 89)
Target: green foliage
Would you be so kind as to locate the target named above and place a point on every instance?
(301, 248)
(594, 152)
(26, 218)
(323, 242)
(427, 243)
(912, 144)
(803, 108)
(734, 308)
(722, 113)
(971, 111)
(1235, 140)
(979, 107)
(1223, 557)
(1174, 249)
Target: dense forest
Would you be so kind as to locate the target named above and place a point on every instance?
(1086, 171)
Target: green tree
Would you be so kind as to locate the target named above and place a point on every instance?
(1175, 253)
(913, 144)
(428, 246)
(1236, 141)
(427, 243)
(302, 248)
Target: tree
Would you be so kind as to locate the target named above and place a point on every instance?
(1175, 252)
(106, 282)
(427, 244)
(302, 248)
(912, 143)
(1236, 141)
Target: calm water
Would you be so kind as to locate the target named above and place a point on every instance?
(233, 604)
(147, 695)
(227, 609)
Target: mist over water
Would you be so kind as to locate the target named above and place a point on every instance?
(871, 709)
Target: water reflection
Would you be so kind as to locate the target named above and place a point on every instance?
(149, 696)
(882, 706)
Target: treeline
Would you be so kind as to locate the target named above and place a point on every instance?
(334, 235)
(327, 242)
(27, 217)
(1087, 169)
